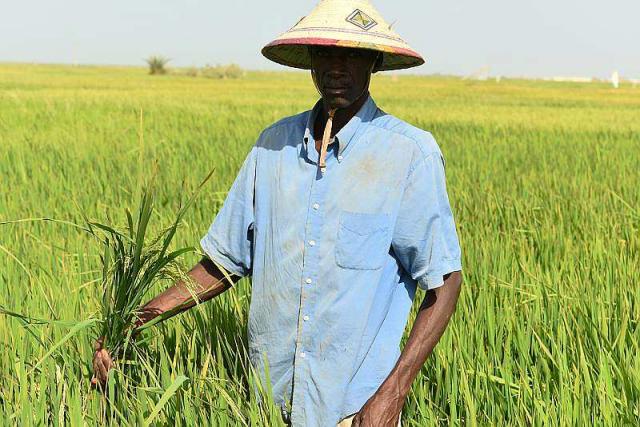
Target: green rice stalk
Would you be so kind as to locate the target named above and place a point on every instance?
(132, 264)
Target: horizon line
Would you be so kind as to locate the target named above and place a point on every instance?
(476, 75)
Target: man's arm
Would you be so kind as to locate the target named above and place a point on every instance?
(208, 282)
(385, 406)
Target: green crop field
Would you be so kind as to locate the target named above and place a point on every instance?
(543, 179)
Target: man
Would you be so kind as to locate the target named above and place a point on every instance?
(338, 214)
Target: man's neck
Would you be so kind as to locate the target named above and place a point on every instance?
(341, 118)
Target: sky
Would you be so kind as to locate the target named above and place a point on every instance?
(533, 38)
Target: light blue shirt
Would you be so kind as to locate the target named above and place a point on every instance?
(335, 258)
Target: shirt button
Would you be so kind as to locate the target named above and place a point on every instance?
(312, 242)
(308, 280)
(303, 354)
(316, 206)
(306, 318)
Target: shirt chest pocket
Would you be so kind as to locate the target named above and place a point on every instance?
(363, 240)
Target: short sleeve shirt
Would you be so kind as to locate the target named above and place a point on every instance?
(335, 257)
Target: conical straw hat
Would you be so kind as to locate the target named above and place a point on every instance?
(344, 23)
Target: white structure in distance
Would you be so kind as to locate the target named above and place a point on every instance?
(615, 79)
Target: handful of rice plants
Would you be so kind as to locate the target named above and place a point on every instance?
(132, 263)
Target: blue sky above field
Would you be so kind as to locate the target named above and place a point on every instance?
(511, 37)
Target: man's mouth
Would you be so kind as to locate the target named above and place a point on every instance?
(336, 86)
(336, 82)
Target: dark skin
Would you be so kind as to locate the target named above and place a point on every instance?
(342, 76)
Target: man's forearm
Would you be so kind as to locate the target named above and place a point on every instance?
(432, 319)
(208, 282)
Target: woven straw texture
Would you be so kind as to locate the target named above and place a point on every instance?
(343, 23)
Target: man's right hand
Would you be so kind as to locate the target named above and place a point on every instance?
(102, 363)
(210, 281)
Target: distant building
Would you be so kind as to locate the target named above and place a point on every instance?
(569, 79)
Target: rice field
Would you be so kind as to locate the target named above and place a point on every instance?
(543, 179)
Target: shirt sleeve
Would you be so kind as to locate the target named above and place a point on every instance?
(425, 239)
(229, 240)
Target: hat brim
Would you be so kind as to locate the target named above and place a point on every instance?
(294, 52)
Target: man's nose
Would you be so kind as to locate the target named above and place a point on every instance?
(335, 73)
(336, 63)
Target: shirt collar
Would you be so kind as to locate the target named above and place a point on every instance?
(346, 134)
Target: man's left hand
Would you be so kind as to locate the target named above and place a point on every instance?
(381, 410)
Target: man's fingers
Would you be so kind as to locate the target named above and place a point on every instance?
(101, 366)
(94, 381)
(105, 358)
(94, 363)
(102, 363)
(100, 371)
(102, 358)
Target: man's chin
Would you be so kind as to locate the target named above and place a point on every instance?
(337, 102)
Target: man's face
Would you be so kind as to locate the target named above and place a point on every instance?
(341, 74)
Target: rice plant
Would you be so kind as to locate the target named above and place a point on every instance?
(132, 264)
